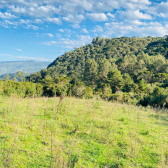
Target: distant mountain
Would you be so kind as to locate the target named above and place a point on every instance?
(10, 67)
(12, 75)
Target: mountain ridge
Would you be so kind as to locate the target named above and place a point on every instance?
(9, 67)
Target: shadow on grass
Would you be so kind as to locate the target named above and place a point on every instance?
(161, 119)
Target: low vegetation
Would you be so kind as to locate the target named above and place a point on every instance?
(69, 132)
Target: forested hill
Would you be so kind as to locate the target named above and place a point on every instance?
(25, 66)
(129, 55)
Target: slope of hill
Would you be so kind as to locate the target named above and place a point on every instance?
(87, 133)
(105, 50)
(25, 66)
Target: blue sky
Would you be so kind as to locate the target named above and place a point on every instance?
(45, 29)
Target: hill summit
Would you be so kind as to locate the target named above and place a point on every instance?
(106, 54)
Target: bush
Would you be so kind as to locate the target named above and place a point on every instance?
(78, 91)
(116, 97)
(88, 92)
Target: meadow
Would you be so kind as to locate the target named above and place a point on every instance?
(80, 133)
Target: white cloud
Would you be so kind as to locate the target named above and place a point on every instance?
(66, 31)
(18, 9)
(110, 15)
(9, 22)
(128, 29)
(74, 18)
(136, 4)
(133, 15)
(100, 17)
(70, 44)
(146, 2)
(6, 15)
(160, 8)
(38, 21)
(69, 9)
(27, 58)
(163, 15)
(49, 43)
(33, 11)
(18, 49)
(24, 21)
(50, 35)
(54, 20)
(82, 40)
(105, 6)
(117, 29)
(97, 29)
(61, 30)
(152, 31)
(30, 26)
(76, 26)
(130, 13)
(137, 22)
(84, 31)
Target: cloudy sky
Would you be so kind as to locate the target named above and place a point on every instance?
(45, 29)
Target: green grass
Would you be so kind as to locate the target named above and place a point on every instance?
(86, 133)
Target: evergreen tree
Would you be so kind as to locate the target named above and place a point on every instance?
(115, 80)
(91, 70)
(128, 85)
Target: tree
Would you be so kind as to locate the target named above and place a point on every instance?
(158, 64)
(21, 75)
(7, 77)
(98, 40)
(104, 68)
(128, 85)
(115, 80)
(79, 90)
(88, 92)
(162, 76)
(142, 85)
(48, 77)
(103, 42)
(147, 76)
(15, 79)
(91, 70)
(107, 91)
(157, 91)
(128, 64)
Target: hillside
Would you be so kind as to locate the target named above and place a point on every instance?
(25, 66)
(87, 133)
(109, 51)
(132, 70)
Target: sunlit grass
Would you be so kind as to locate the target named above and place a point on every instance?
(86, 133)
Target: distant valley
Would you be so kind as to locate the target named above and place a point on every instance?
(27, 67)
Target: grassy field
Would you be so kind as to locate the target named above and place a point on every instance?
(84, 133)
